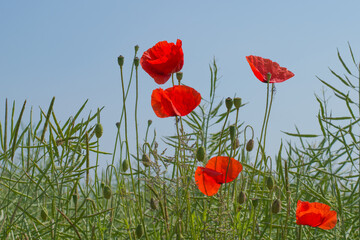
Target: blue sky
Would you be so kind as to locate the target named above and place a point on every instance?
(68, 49)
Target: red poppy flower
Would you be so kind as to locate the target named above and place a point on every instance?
(315, 215)
(210, 177)
(178, 100)
(162, 60)
(262, 66)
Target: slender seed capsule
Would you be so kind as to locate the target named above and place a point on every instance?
(270, 182)
(146, 160)
(125, 165)
(200, 154)
(98, 130)
(179, 76)
(241, 197)
(237, 102)
(236, 144)
(107, 192)
(232, 133)
(136, 48)
(250, 145)
(121, 60)
(153, 204)
(276, 206)
(228, 103)
(139, 231)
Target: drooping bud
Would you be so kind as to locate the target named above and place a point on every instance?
(44, 214)
(125, 165)
(228, 103)
(270, 182)
(98, 130)
(200, 154)
(153, 204)
(232, 130)
(241, 197)
(136, 48)
(136, 61)
(236, 144)
(146, 160)
(121, 60)
(255, 202)
(250, 145)
(149, 122)
(237, 102)
(179, 76)
(107, 192)
(276, 206)
(139, 231)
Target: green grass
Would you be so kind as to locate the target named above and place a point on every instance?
(49, 190)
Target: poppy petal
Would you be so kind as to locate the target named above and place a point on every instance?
(162, 60)
(229, 169)
(330, 221)
(161, 104)
(262, 66)
(184, 99)
(206, 183)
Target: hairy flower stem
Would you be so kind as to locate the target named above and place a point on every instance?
(128, 153)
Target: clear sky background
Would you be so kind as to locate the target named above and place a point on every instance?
(69, 49)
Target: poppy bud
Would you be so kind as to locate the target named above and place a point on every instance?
(179, 76)
(136, 48)
(153, 204)
(149, 122)
(107, 192)
(117, 124)
(270, 183)
(237, 102)
(102, 184)
(44, 214)
(139, 231)
(232, 133)
(276, 206)
(98, 130)
(255, 202)
(268, 76)
(241, 197)
(236, 143)
(200, 154)
(136, 61)
(146, 160)
(121, 60)
(250, 145)
(125, 165)
(228, 103)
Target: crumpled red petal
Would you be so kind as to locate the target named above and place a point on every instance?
(162, 60)
(262, 66)
(175, 101)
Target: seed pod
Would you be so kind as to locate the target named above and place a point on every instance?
(153, 204)
(250, 145)
(237, 102)
(121, 60)
(136, 61)
(200, 154)
(136, 48)
(102, 184)
(44, 214)
(270, 182)
(107, 192)
(236, 144)
(276, 206)
(149, 122)
(268, 76)
(98, 130)
(232, 131)
(241, 197)
(125, 165)
(179, 76)
(228, 103)
(139, 231)
(146, 160)
(255, 202)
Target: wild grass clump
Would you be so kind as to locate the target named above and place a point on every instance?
(50, 190)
